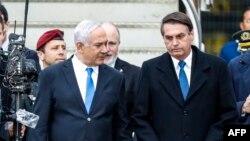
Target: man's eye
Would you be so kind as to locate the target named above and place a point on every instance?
(112, 43)
(181, 36)
(168, 38)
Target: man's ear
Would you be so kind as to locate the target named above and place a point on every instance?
(40, 55)
(79, 45)
(241, 25)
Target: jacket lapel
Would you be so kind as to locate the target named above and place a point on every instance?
(99, 87)
(244, 62)
(198, 72)
(168, 78)
(72, 82)
(244, 70)
(119, 65)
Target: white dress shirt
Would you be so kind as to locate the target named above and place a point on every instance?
(187, 67)
(81, 75)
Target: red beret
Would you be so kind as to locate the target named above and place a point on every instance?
(54, 34)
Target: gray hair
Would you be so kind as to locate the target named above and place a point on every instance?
(83, 30)
(115, 26)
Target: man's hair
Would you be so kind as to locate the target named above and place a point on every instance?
(2, 22)
(177, 17)
(4, 12)
(42, 49)
(83, 30)
(115, 26)
(243, 12)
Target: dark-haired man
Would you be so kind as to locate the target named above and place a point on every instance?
(51, 48)
(184, 94)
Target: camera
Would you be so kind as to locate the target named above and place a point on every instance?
(19, 71)
(19, 76)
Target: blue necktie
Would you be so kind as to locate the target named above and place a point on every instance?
(183, 80)
(90, 90)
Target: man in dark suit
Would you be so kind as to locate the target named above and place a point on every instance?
(81, 95)
(184, 94)
(239, 68)
(131, 72)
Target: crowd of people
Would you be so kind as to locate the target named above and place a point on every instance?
(182, 95)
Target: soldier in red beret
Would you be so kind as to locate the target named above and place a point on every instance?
(51, 48)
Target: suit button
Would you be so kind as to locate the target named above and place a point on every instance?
(88, 119)
(185, 113)
(185, 135)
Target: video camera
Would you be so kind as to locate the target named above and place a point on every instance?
(19, 75)
(19, 71)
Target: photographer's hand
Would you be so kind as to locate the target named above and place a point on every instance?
(10, 125)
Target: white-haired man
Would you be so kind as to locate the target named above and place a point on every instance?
(81, 95)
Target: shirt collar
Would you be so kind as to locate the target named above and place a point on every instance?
(188, 60)
(82, 66)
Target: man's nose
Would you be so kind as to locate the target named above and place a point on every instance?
(61, 50)
(175, 41)
(105, 48)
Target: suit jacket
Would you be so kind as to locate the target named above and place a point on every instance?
(240, 70)
(63, 116)
(131, 74)
(160, 112)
